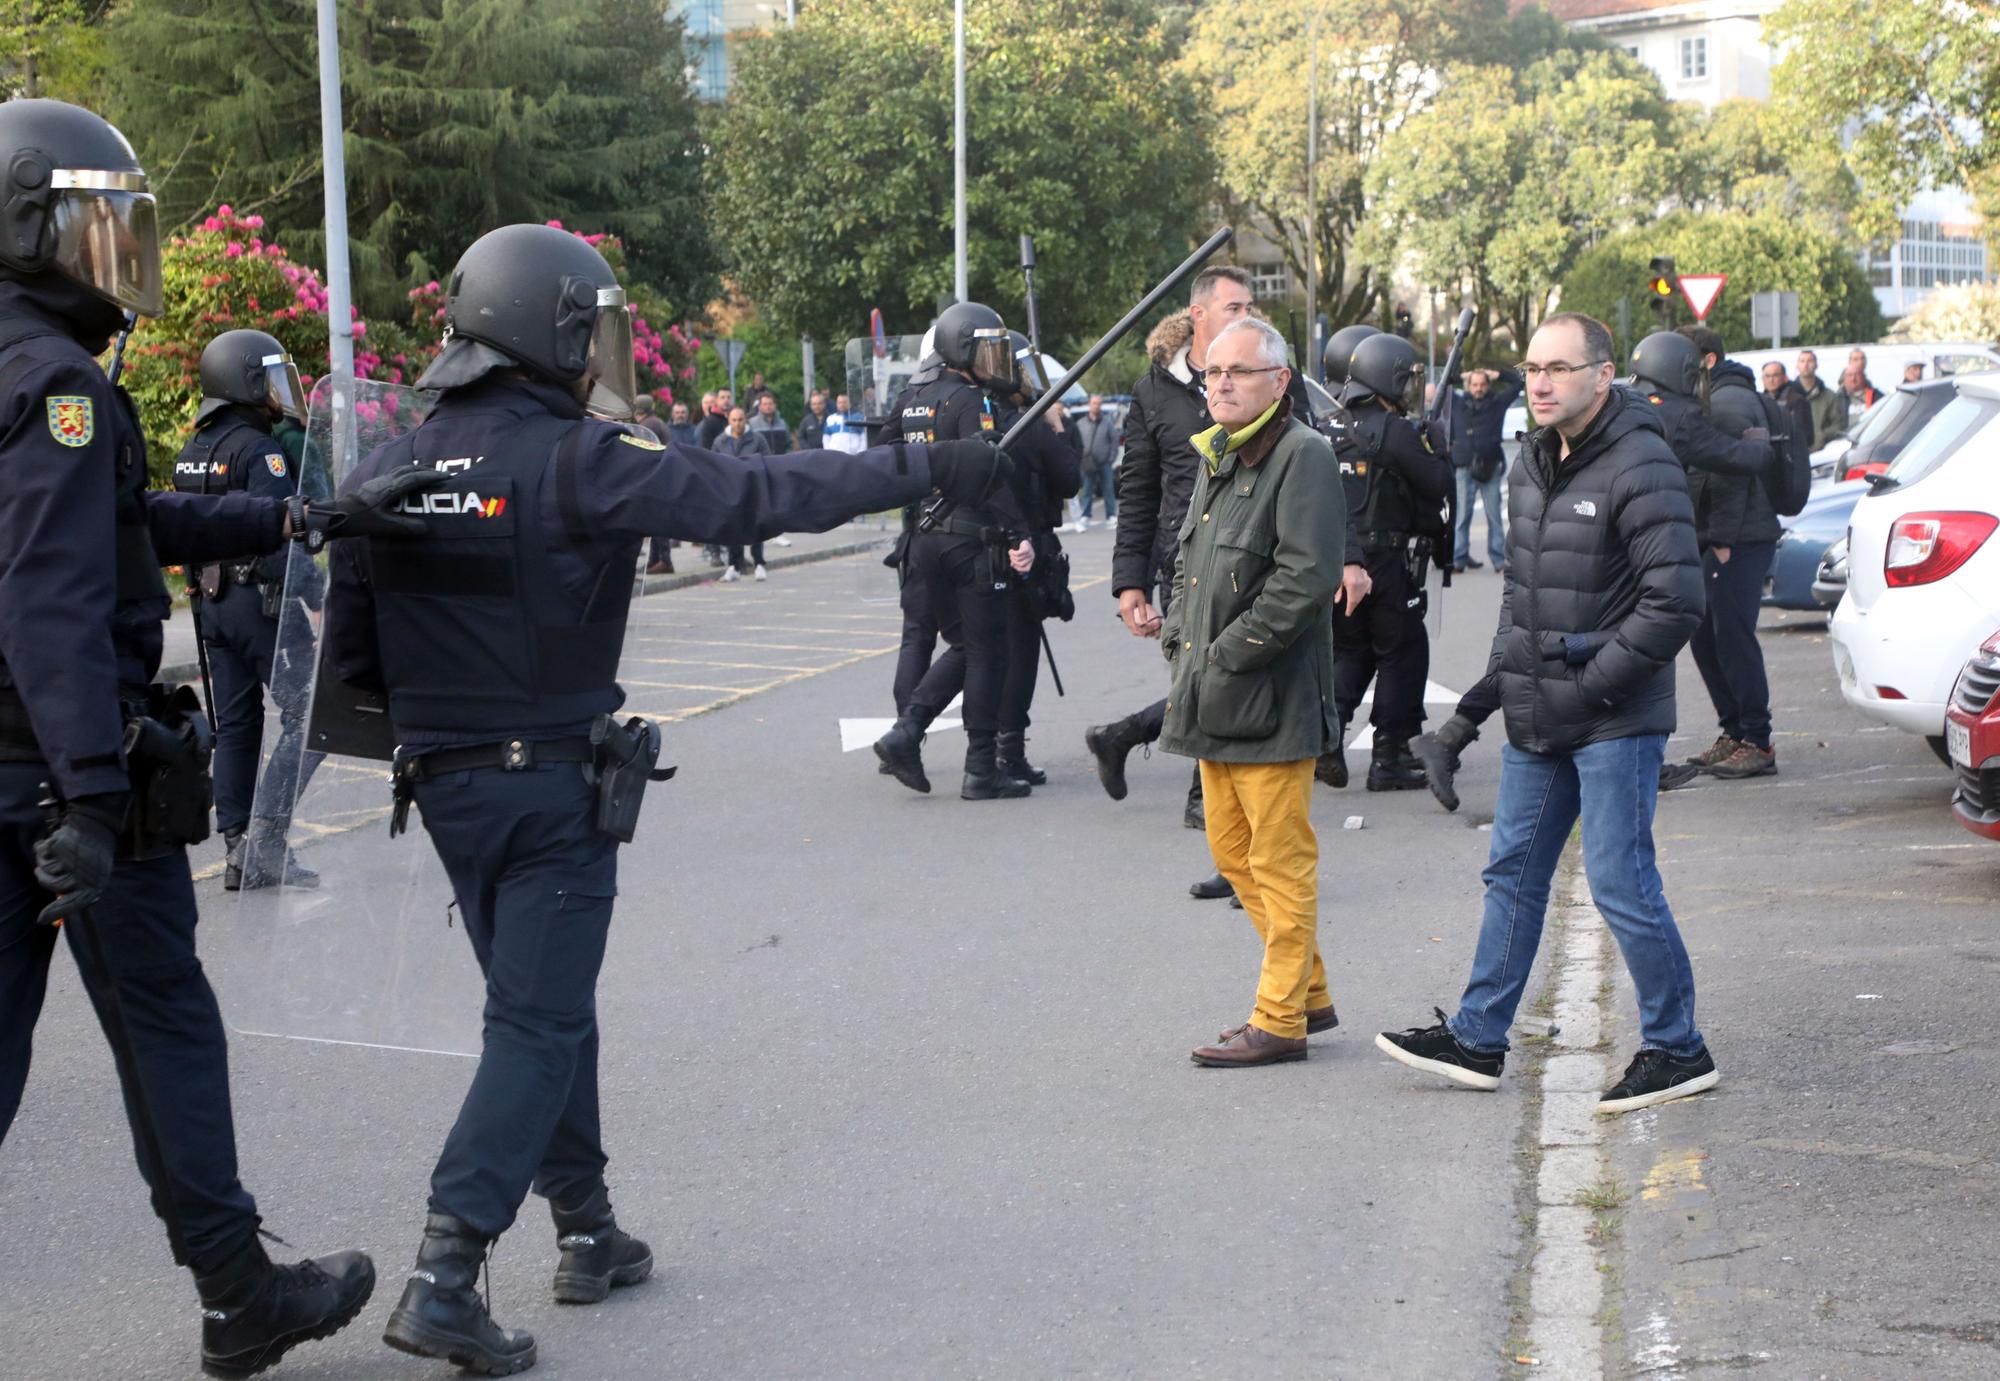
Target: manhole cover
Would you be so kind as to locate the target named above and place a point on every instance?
(1921, 1048)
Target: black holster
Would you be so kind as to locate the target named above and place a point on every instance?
(168, 745)
(627, 761)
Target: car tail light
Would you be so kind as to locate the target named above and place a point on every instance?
(1924, 547)
(1890, 693)
(1863, 471)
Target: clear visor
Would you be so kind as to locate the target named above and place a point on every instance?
(992, 357)
(282, 389)
(108, 238)
(614, 378)
(1028, 368)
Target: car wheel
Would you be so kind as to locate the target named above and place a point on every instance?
(1937, 743)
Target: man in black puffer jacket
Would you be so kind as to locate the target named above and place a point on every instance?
(1603, 591)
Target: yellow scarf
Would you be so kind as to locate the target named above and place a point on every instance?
(1218, 441)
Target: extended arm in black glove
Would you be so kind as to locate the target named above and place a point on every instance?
(969, 470)
(366, 512)
(73, 859)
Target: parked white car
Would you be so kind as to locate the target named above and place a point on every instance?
(1923, 567)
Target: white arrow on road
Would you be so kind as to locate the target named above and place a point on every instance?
(1434, 694)
(861, 733)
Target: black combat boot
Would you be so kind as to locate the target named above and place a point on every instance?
(901, 752)
(1393, 768)
(1011, 749)
(253, 1312)
(269, 863)
(597, 1254)
(1332, 765)
(1110, 744)
(984, 781)
(232, 861)
(1439, 752)
(441, 1313)
(1194, 816)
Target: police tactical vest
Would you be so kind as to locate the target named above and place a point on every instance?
(141, 591)
(1358, 447)
(197, 470)
(916, 419)
(477, 630)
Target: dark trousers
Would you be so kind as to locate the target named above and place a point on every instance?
(534, 880)
(1480, 703)
(243, 660)
(1384, 640)
(1725, 647)
(663, 551)
(756, 555)
(920, 635)
(969, 590)
(1024, 661)
(177, 1064)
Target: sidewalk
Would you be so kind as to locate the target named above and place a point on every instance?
(179, 663)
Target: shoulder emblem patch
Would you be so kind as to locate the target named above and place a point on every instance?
(644, 443)
(275, 463)
(72, 418)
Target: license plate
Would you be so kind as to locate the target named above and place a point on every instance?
(1958, 742)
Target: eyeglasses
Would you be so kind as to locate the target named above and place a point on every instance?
(1236, 376)
(1559, 371)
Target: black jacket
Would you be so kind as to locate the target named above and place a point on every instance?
(1156, 478)
(1478, 422)
(1733, 510)
(1604, 586)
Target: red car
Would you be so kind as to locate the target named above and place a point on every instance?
(1972, 740)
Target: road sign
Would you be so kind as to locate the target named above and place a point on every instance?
(731, 352)
(1701, 290)
(1775, 315)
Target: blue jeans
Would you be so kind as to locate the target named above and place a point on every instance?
(1496, 518)
(1613, 786)
(1101, 480)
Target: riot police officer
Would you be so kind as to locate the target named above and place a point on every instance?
(118, 766)
(967, 561)
(248, 383)
(1397, 480)
(497, 637)
(1339, 350)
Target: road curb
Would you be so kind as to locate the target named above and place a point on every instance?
(181, 672)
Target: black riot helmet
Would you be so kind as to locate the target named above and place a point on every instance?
(1031, 379)
(972, 337)
(76, 203)
(1385, 367)
(540, 298)
(1339, 350)
(1669, 361)
(252, 368)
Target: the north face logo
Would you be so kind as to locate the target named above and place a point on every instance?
(1585, 508)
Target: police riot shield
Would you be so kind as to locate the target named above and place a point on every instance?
(337, 932)
(876, 368)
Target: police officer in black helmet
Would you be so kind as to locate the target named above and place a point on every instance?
(103, 778)
(248, 384)
(967, 561)
(496, 636)
(1396, 480)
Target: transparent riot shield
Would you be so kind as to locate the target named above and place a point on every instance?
(876, 368)
(339, 933)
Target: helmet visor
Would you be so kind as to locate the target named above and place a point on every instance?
(1034, 379)
(108, 238)
(614, 377)
(282, 389)
(992, 356)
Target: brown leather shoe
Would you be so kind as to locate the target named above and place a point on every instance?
(1250, 1046)
(1317, 1020)
(1723, 747)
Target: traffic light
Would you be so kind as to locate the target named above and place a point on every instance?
(1661, 285)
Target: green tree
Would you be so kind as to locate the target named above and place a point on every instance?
(1378, 68)
(1964, 311)
(1510, 175)
(1906, 91)
(1746, 155)
(460, 115)
(832, 165)
(1765, 252)
(52, 48)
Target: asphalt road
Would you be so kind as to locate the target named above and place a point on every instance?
(898, 1086)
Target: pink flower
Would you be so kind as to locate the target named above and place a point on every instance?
(224, 210)
(234, 249)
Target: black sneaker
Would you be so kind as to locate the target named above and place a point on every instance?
(1436, 1050)
(1655, 1077)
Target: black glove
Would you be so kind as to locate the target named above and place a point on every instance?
(365, 512)
(73, 859)
(968, 471)
(1436, 439)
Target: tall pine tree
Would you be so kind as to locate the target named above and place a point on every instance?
(460, 115)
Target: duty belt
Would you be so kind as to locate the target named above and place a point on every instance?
(510, 755)
(1384, 541)
(967, 527)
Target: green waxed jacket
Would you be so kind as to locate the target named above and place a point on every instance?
(1250, 632)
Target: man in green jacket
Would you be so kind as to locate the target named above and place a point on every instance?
(1250, 637)
(1829, 409)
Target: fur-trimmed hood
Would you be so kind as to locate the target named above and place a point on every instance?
(1170, 337)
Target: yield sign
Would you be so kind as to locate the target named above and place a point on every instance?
(1701, 290)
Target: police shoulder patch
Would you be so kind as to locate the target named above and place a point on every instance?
(275, 463)
(644, 443)
(72, 418)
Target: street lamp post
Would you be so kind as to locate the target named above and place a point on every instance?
(339, 293)
(1312, 205)
(958, 149)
